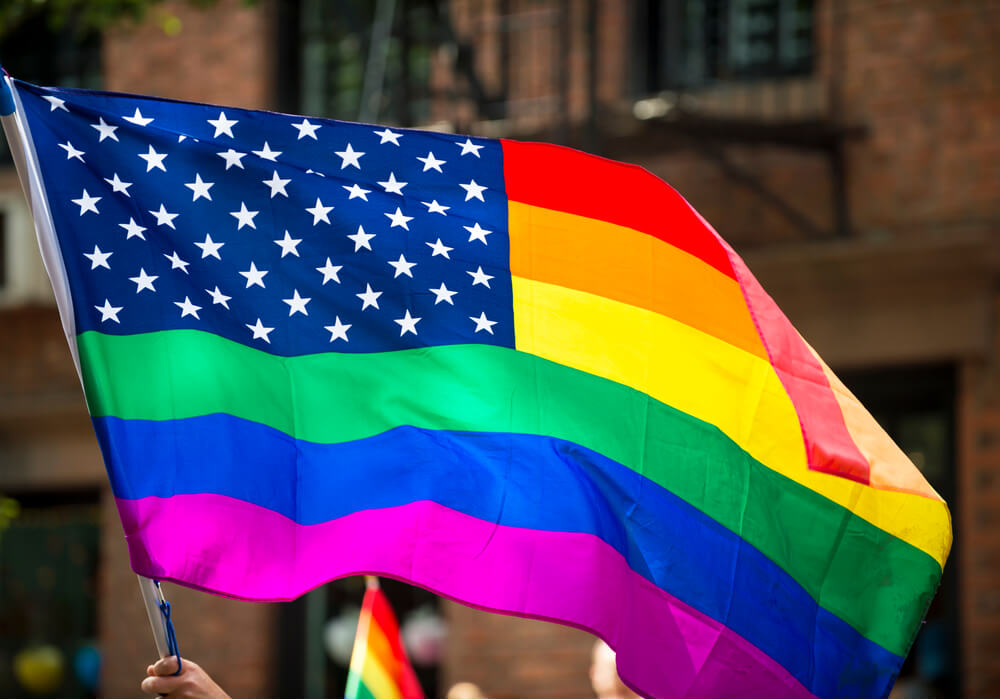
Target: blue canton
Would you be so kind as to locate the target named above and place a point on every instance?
(289, 234)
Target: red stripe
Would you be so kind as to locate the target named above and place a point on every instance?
(383, 616)
(560, 178)
(829, 446)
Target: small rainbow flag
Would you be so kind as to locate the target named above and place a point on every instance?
(379, 665)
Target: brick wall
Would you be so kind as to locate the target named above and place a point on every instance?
(510, 657)
(979, 520)
(222, 55)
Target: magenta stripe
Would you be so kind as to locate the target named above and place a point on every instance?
(665, 648)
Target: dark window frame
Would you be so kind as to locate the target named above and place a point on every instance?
(690, 44)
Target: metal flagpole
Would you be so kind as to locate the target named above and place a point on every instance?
(18, 136)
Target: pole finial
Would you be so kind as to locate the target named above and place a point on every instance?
(6, 96)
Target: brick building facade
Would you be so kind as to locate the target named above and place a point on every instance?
(862, 187)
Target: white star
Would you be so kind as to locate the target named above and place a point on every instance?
(133, 229)
(361, 239)
(109, 312)
(153, 159)
(181, 138)
(483, 323)
(164, 218)
(472, 190)
(222, 125)
(144, 281)
(430, 162)
(187, 308)
(350, 157)
(288, 245)
(469, 147)
(105, 130)
(477, 233)
(439, 248)
(393, 185)
(388, 136)
(55, 103)
(98, 259)
(435, 208)
(407, 324)
(118, 186)
(267, 154)
(254, 276)
(72, 152)
(330, 271)
(338, 329)
(398, 219)
(138, 119)
(356, 191)
(442, 293)
(369, 297)
(176, 262)
(297, 304)
(200, 188)
(87, 203)
(402, 267)
(307, 129)
(319, 212)
(210, 248)
(218, 297)
(480, 277)
(244, 216)
(232, 158)
(260, 331)
(277, 184)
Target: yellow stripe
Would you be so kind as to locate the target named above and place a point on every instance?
(711, 380)
(629, 266)
(364, 663)
(378, 679)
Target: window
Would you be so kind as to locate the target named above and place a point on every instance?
(22, 275)
(693, 43)
(324, 50)
(39, 52)
(48, 595)
(916, 407)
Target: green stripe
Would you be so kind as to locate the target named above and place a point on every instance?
(874, 581)
(356, 687)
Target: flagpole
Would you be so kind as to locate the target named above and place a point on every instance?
(25, 163)
(152, 597)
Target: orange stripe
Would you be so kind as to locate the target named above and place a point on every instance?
(563, 179)
(625, 265)
(380, 647)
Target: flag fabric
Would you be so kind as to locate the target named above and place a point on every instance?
(529, 379)
(380, 667)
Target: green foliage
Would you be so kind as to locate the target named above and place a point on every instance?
(87, 15)
(9, 509)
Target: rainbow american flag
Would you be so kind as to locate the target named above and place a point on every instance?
(523, 377)
(379, 667)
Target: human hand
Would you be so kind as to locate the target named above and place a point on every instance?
(191, 682)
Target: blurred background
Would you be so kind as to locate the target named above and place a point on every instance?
(848, 149)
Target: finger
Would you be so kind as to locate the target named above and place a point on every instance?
(149, 670)
(153, 685)
(166, 666)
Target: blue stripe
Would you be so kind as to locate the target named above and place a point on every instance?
(515, 480)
